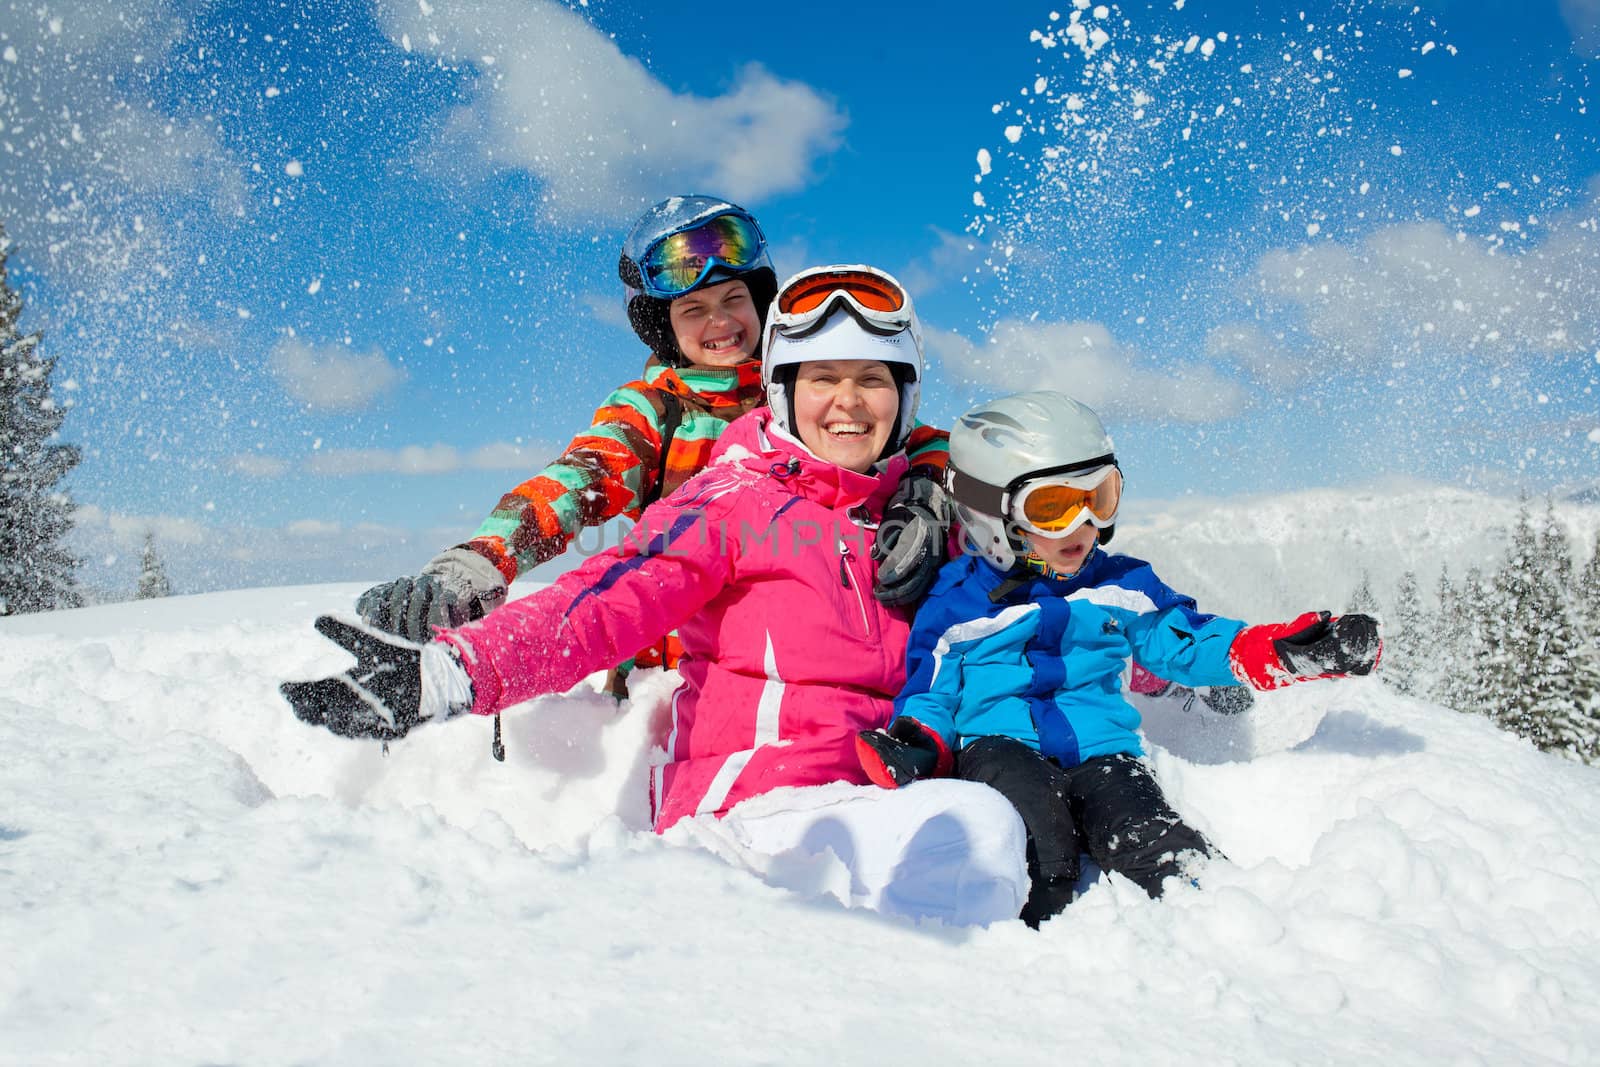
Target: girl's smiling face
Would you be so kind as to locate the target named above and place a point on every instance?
(717, 326)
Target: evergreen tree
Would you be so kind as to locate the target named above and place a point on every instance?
(1449, 635)
(37, 573)
(1566, 676)
(152, 573)
(1466, 619)
(1406, 666)
(1362, 600)
(1530, 672)
(1587, 595)
(1555, 552)
(1586, 614)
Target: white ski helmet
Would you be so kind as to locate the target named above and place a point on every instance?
(1000, 445)
(843, 311)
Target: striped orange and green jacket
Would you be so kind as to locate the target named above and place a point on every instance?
(613, 467)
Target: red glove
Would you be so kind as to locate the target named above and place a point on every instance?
(903, 753)
(1315, 645)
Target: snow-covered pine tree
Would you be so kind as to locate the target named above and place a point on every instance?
(153, 581)
(1363, 600)
(1586, 595)
(1469, 683)
(1565, 674)
(1509, 632)
(1531, 669)
(1447, 646)
(1404, 666)
(37, 573)
(1555, 552)
(1586, 616)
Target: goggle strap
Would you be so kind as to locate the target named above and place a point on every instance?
(628, 271)
(976, 494)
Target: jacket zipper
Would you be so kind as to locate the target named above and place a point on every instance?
(847, 580)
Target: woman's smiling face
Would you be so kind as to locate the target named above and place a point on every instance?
(845, 410)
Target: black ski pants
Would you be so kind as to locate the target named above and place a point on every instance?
(1108, 806)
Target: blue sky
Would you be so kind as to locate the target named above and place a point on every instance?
(325, 277)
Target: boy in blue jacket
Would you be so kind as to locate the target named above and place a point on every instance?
(1015, 668)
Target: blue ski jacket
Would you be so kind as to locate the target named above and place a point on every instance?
(1044, 663)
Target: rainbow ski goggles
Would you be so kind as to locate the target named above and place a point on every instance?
(680, 262)
(811, 297)
(1051, 503)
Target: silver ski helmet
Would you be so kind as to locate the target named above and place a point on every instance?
(1001, 445)
(686, 243)
(842, 311)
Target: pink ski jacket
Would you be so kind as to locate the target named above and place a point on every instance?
(761, 562)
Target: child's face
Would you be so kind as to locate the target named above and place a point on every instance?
(717, 326)
(1065, 554)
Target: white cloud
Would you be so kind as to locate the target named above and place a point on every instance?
(608, 308)
(561, 100)
(408, 460)
(255, 465)
(505, 456)
(428, 459)
(1263, 355)
(1422, 289)
(413, 459)
(312, 528)
(127, 532)
(333, 376)
(954, 257)
(87, 140)
(200, 556)
(1583, 21)
(1085, 361)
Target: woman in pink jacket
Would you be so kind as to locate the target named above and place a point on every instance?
(763, 564)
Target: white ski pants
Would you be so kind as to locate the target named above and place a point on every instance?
(939, 849)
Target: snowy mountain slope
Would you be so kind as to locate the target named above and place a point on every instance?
(189, 875)
(1270, 556)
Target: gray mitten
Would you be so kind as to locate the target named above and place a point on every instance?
(457, 586)
(911, 542)
(1222, 699)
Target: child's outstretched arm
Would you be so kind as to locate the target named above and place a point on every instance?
(1317, 644)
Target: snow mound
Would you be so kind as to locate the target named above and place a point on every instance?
(191, 875)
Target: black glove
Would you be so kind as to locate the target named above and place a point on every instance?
(910, 547)
(456, 587)
(379, 698)
(901, 754)
(1334, 645)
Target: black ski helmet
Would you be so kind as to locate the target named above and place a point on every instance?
(648, 312)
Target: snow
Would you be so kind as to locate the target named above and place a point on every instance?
(190, 875)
